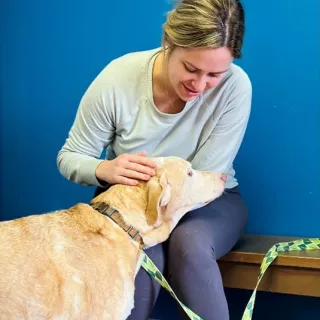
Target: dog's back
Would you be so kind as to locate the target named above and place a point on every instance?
(63, 263)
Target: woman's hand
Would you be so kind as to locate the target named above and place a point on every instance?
(126, 169)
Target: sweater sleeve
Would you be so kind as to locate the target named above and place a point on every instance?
(92, 131)
(220, 149)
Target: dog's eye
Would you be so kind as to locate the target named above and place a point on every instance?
(190, 173)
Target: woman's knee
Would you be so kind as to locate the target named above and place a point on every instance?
(214, 229)
(187, 248)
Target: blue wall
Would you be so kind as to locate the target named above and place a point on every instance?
(50, 53)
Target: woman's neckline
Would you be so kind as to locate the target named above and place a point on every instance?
(149, 86)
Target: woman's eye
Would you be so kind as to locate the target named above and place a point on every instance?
(190, 173)
(189, 70)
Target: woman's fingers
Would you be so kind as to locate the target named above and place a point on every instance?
(133, 166)
(142, 160)
(129, 169)
(134, 175)
(127, 181)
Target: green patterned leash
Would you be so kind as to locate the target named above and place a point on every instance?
(150, 267)
(271, 255)
(295, 245)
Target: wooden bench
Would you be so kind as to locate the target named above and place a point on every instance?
(296, 272)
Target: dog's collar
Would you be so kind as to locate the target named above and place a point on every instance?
(114, 215)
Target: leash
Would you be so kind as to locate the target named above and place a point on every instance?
(270, 256)
(151, 268)
(295, 245)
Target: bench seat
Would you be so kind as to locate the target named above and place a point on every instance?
(295, 272)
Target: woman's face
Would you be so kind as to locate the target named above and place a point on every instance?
(192, 71)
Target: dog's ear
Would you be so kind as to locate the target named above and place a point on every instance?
(158, 196)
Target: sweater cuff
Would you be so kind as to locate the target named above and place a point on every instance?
(88, 172)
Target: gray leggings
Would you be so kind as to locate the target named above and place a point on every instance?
(190, 257)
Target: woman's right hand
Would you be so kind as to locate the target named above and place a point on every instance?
(126, 169)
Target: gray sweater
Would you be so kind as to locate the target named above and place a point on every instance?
(117, 112)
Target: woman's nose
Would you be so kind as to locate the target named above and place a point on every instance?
(199, 84)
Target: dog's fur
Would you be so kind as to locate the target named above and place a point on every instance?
(79, 264)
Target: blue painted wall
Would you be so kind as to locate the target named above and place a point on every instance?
(51, 51)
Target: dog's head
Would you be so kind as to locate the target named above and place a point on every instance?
(155, 207)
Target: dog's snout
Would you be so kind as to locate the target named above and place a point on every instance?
(223, 177)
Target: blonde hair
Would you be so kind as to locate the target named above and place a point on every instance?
(205, 23)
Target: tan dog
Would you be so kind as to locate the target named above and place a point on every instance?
(80, 264)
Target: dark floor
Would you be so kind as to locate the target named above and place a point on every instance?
(268, 306)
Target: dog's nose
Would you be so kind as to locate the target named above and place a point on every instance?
(224, 177)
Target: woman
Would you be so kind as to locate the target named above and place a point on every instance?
(187, 99)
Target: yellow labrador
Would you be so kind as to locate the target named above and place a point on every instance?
(81, 263)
